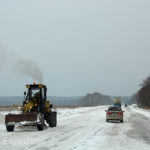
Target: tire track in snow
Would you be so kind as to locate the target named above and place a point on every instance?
(88, 139)
(141, 124)
(75, 130)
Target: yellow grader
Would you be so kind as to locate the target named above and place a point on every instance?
(36, 109)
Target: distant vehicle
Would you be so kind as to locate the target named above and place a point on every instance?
(114, 113)
(117, 101)
(125, 105)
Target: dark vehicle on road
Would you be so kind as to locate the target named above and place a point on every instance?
(114, 113)
(125, 105)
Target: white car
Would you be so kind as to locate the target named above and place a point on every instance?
(114, 113)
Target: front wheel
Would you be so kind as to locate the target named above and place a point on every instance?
(10, 128)
(40, 127)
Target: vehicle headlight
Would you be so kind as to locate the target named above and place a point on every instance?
(30, 107)
(19, 107)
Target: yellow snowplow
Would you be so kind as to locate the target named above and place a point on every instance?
(36, 109)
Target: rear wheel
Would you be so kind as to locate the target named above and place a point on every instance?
(10, 128)
(121, 121)
(52, 119)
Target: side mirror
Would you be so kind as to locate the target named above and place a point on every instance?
(25, 93)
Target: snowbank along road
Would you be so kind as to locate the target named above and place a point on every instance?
(83, 129)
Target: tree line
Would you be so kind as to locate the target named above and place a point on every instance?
(142, 97)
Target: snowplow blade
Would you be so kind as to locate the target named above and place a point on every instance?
(17, 118)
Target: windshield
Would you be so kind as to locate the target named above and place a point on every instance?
(35, 92)
(114, 108)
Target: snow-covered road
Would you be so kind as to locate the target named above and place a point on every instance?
(83, 129)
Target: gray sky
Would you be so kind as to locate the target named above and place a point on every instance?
(80, 46)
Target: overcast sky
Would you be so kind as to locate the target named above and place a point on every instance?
(80, 46)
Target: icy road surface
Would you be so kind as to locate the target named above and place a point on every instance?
(83, 129)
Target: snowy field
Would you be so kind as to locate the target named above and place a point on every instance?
(82, 129)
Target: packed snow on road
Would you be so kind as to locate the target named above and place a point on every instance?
(83, 128)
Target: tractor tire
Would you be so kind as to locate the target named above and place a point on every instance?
(40, 126)
(53, 119)
(10, 128)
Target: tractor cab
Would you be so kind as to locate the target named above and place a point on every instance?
(36, 90)
(35, 97)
